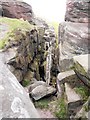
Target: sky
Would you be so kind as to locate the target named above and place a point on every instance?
(50, 10)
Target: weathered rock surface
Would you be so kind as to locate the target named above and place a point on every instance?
(65, 75)
(14, 102)
(40, 89)
(85, 111)
(70, 92)
(73, 99)
(78, 11)
(24, 54)
(74, 40)
(73, 33)
(40, 22)
(82, 67)
(16, 9)
(27, 53)
(35, 84)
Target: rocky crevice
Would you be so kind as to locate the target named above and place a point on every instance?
(26, 56)
(35, 60)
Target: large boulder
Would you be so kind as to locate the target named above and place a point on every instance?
(14, 102)
(16, 9)
(40, 89)
(73, 33)
(78, 11)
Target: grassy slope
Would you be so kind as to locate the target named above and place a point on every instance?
(14, 24)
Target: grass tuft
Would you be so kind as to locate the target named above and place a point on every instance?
(25, 82)
(61, 111)
(83, 91)
(42, 104)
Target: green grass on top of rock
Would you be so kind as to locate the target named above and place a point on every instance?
(14, 25)
(83, 91)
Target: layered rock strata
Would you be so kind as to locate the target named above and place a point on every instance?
(74, 36)
(16, 9)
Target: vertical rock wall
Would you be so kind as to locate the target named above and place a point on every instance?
(74, 36)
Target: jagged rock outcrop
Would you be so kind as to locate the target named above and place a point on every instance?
(23, 44)
(30, 48)
(16, 9)
(78, 11)
(24, 55)
(74, 37)
(15, 102)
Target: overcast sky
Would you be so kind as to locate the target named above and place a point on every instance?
(51, 10)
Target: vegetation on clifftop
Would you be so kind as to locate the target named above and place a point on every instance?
(14, 25)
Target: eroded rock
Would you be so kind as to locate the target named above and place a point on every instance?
(82, 67)
(74, 100)
(78, 11)
(14, 102)
(16, 9)
(74, 40)
(40, 89)
(85, 111)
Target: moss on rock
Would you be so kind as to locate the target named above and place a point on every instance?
(17, 27)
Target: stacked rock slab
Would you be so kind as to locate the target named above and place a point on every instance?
(73, 33)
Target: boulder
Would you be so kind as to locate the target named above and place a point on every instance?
(14, 102)
(74, 40)
(78, 11)
(16, 9)
(63, 76)
(73, 33)
(82, 67)
(35, 84)
(40, 89)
